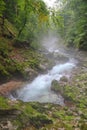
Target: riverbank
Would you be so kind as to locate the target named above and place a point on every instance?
(24, 64)
(46, 116)
(18, 115)
(19, 61)
(19, 64)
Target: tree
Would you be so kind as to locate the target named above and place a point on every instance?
(32, 18)
(75, 22)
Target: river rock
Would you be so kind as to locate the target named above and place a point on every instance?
(31, 74)
(55, 86)
(6, 88)
(7, 125)
(46, 65)
(64, 79)
(42, 67)
(59, 56)
(9, 112)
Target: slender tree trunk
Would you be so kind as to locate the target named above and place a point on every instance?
(20, 31)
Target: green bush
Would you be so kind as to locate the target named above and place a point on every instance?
(4, 49)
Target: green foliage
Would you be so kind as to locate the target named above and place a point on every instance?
(84, 126)
(8, 67)
(4, 49)
(11, 10)
(74, 29)
(57, 20)
(31, 18)
(40, 120)
(2, 7)
(35, 45)
(43, 116)
(3, 71)
(25, 21)
(3, 103)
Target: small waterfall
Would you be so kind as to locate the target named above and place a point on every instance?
(39, 89)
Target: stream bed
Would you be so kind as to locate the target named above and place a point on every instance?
(39, 90)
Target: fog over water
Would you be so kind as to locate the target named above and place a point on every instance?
(40, 88)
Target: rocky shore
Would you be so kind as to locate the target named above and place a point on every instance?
(17, 115)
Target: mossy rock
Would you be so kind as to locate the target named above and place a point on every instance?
(21, 44)
(69, 93)
(64, 79)
(3, 103)
(56, 87)
(39, 121)
(83, 126)
(4, 74)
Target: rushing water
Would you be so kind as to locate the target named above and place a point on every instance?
(40, 88)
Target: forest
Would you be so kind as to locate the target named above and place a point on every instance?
(31, 18)
(59, 74)
(22, 23)
(71, 21)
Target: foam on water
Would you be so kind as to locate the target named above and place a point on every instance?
(39, 89)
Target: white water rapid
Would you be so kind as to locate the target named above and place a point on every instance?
(39, 89)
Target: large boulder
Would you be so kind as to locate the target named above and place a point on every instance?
(43, 67)
(55, 86)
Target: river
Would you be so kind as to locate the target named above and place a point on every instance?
(39, 90)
